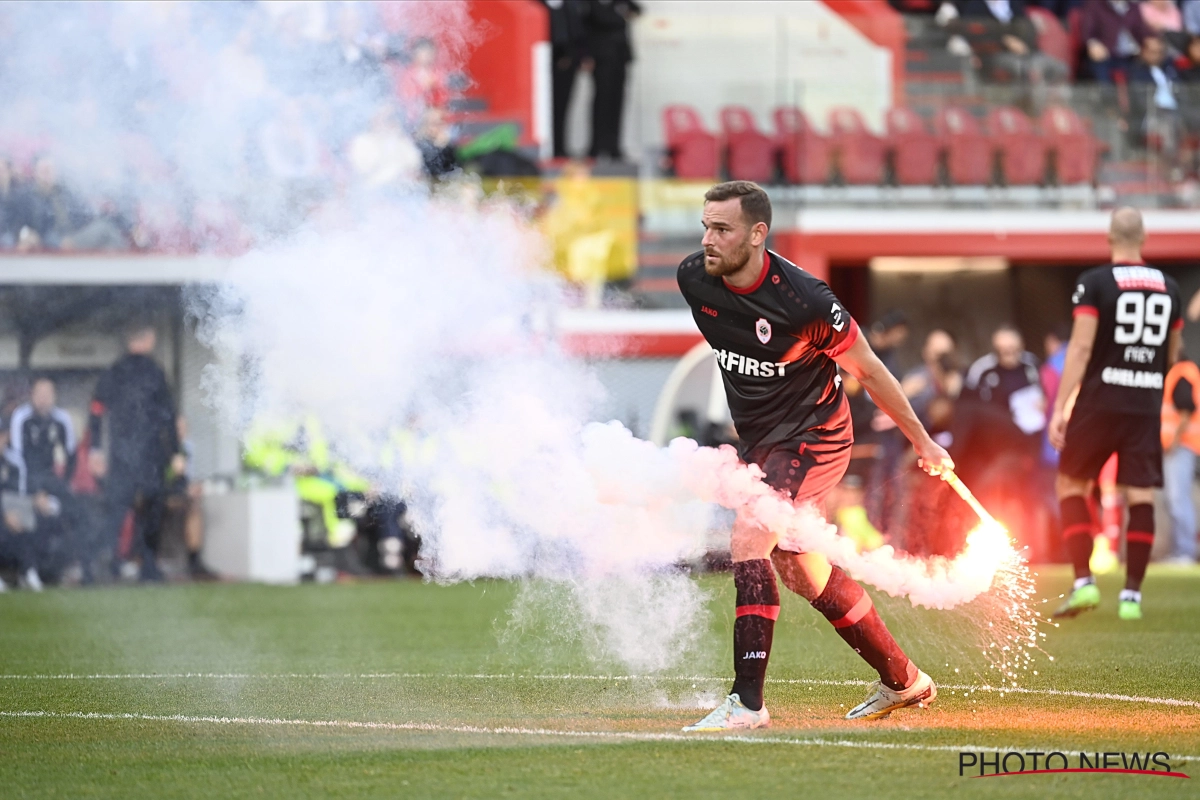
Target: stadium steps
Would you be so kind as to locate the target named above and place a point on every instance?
(659, 255)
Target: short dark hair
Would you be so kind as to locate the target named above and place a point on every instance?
(756, 206)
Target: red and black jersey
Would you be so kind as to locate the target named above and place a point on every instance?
(1137, 307)
(775, 342)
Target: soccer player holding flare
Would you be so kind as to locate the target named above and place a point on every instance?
(1126, 335)
(780, 335)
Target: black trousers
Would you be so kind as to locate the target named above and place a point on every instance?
(148, 503)
(608, 103)
(565, 68)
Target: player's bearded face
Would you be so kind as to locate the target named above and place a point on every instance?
(728, 255)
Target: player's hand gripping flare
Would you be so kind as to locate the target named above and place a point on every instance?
(934, 459)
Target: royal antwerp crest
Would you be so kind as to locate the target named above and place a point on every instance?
(762, 329)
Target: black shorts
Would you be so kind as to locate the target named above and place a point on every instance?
(806, 469)
(1093, 435)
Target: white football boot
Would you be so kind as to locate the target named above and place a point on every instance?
(31, 580)
(883, 701)
(732, 715)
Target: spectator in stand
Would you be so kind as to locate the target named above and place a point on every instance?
(1188, 67)
(1153, 100)
(143, 442)
(1181, 444)
(609, 44)
(48, 212)
(423, 84)
(1001, 33)
(53, 218)
(568, 54)
(42, 437)
(17, 538)
(9, 206)
(1112, 31)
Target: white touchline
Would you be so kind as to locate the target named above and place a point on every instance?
(427, 727)
(1124, 698)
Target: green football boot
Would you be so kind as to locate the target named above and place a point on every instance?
(1129, 609)
(1085, 598)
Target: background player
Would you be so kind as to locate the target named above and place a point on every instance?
(779, 335)
(1125, 336)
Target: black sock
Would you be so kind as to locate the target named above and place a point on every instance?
(194, 560)
(1139, 540)
(753, 629)
(1077, 533)
(849, 608)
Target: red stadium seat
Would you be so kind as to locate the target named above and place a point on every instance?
(968, 151)
(1052, 37)
(1022, 150)
(860, 153)
(1073, 148)
(914, 149)
(749, 154)
(692, 149)
(804, 152)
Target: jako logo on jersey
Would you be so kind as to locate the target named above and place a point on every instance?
(755, 654)
(839, 320)
(744, 365)
(712, 312)
(762, 329)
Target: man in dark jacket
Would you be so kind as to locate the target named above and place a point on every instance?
(1002, 34)
(610, 49)
(568, 54)
(1153, 99)
(133, 401)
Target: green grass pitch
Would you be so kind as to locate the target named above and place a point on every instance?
(407, 689)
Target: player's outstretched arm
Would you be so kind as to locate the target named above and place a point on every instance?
(1079, 352)
(861, 362)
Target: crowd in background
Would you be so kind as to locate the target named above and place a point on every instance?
(101, 505)
(309, 101)
(119, 500)
(1145, 54)
(992, 417)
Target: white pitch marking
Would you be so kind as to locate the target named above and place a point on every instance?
(428, 727)
(1124, 698)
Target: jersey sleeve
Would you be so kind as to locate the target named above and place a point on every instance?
(1086, 299)
(1176, 307)
(829, 327)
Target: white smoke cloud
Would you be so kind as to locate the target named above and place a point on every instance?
(380, 311)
